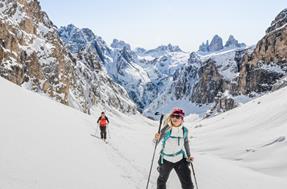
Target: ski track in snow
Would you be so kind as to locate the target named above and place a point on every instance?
(130, 171)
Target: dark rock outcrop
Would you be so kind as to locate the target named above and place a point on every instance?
(268, 62)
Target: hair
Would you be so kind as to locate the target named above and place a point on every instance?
(167, 120)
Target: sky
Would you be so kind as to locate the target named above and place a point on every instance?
(150, 23)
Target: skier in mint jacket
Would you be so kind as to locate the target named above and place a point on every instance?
(175, 152)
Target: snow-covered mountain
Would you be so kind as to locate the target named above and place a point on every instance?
(222, 77)
(198, 84)
(155, 78)
(143, 73)
(33, 56)
(162, 50)
(40, 152)
(78, 68)
(118, 59)
(160, 78)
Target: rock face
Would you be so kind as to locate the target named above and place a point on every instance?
(223, 103)
(204, 47)
(233, 43)
(185, 78)
(209, 84)
(268, 62)
(77, 40)
(31, 53)
(115, 60)
(118, 44)
(216, 44)
(279, 22)
(33, 56)
(91, 54)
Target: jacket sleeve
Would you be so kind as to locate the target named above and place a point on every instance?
(186, 145)
(98, 119)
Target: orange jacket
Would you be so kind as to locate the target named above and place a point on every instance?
(103, 121)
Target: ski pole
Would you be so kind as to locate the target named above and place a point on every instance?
(109, 132)
(97, 130)
(160, 122)
(194, 175)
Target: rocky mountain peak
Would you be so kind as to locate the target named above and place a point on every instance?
(194, 58)
(209, 84)
(169, 48)
(267, 64)
(278, 22)
(140, 51)
(216, 43)
(119, 44)
(204, 47)
(163, 50)
(76, 38)
(233, 43)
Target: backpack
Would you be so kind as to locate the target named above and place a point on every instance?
(103, 121)
(166, 137)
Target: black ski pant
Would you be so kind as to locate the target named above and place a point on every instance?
(103, 132)
(182, 170)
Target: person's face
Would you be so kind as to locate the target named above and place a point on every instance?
(103, 115)
(176, 120)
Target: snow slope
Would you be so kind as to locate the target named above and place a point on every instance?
(253, 135)
(44, 144)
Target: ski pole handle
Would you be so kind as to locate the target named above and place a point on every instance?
(159, 128)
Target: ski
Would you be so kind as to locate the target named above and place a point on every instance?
(105, 141)
(95, 136)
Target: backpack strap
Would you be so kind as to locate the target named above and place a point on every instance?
(166, 137)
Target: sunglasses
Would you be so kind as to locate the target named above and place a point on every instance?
(176, 116)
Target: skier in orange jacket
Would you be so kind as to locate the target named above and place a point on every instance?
(103, 121)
